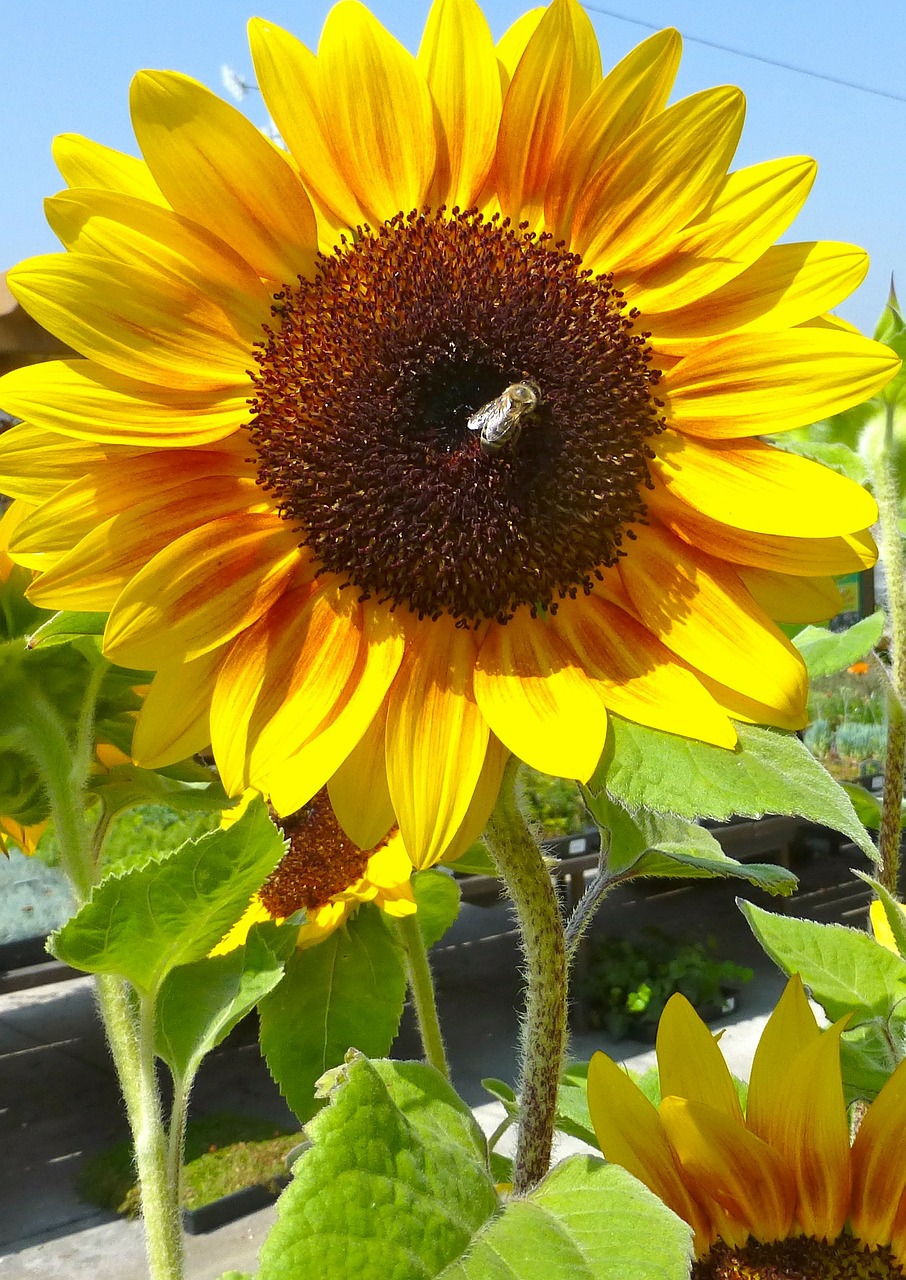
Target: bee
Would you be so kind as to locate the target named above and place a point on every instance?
(501, 421)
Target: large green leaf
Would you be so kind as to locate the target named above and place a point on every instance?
(836, 455)
(437, 895)
(126, 785)
(173, 910)
(346, 992)
(769, 772)
(654, 844)
(573, 1116)
(845, 969)
(587, 1221)
(394, 1186)
(827, 652)
(199, 1004)
(68, 623)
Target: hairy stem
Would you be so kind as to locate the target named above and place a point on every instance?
(421, 987)
(887, 495)
(543, 1044)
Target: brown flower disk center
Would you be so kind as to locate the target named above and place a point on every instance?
(320, 862)
(799, 1258)
(364, 393)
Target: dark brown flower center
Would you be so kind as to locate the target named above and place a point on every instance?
(321, 861)
(799, 1258)
(368, 416)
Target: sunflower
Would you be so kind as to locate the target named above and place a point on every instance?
(325, 875)
(433, 437)
(778, 1190)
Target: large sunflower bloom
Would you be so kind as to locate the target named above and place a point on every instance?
(776, 1190)
(483, 472)
(325, 875)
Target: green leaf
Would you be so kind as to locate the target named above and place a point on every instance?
(66, 624)
(199, 1004)
(867, 807)
(126, 785)
(345, 992)
(171, 911)
(476, 861)
(769, 772)
(500, 1090)
(573, 1116)
(845, 970)
(891, 329)
(827, 652)
(437, 895)
(395, 1184)
(868, 1055)
(834, 454)
(653, 844)
(587, 1220)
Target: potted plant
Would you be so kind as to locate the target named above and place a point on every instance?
(628, 983)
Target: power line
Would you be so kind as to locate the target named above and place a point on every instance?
(753, 57)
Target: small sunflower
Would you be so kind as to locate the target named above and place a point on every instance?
(434, 437)
(327, 876)
(776, 1190)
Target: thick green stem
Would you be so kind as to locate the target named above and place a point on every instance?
(892, 552)
(543, 1046)
(421, 986)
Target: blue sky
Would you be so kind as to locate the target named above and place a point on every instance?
(66, 66)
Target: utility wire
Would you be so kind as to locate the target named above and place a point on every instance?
(754, 57)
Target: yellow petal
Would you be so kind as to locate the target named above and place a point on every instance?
(111, 488)
(359, 793)
(255, 913)
(788, 284)
(379, 113)
(757, 487)
(84, 163)
(635, 675)
(138, 323)
(174, 721)
(805, 557)
(750, 209)
(513, 43)
(10, 521)
(877, 913)
(81, 398)
(106, 224)
(700, 610)
(748, 384)
(790, 1029)
(538, 700)
(458, 61)
(745, 1176)
(879, 1170)
(660, 178)
(483, 801)
(630, 1133)
(202, 590)
(218, 170)
(95, 571)
(560, 67)
(787, 599)
(436, 738)
(282, 678)
(308, 769)
(690, 1063)
(287, 75)
(636, 89)
(35, 464)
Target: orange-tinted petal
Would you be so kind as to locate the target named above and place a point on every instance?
(202, 590)
(359, 792)
(174, 721)
(436, 738)
(560, 67)
(35, 464)
(745, 1176)
(878, 1212)
(378, 110)
(636, 89)
(635, 675)
(537, 698)
(630, 1133)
